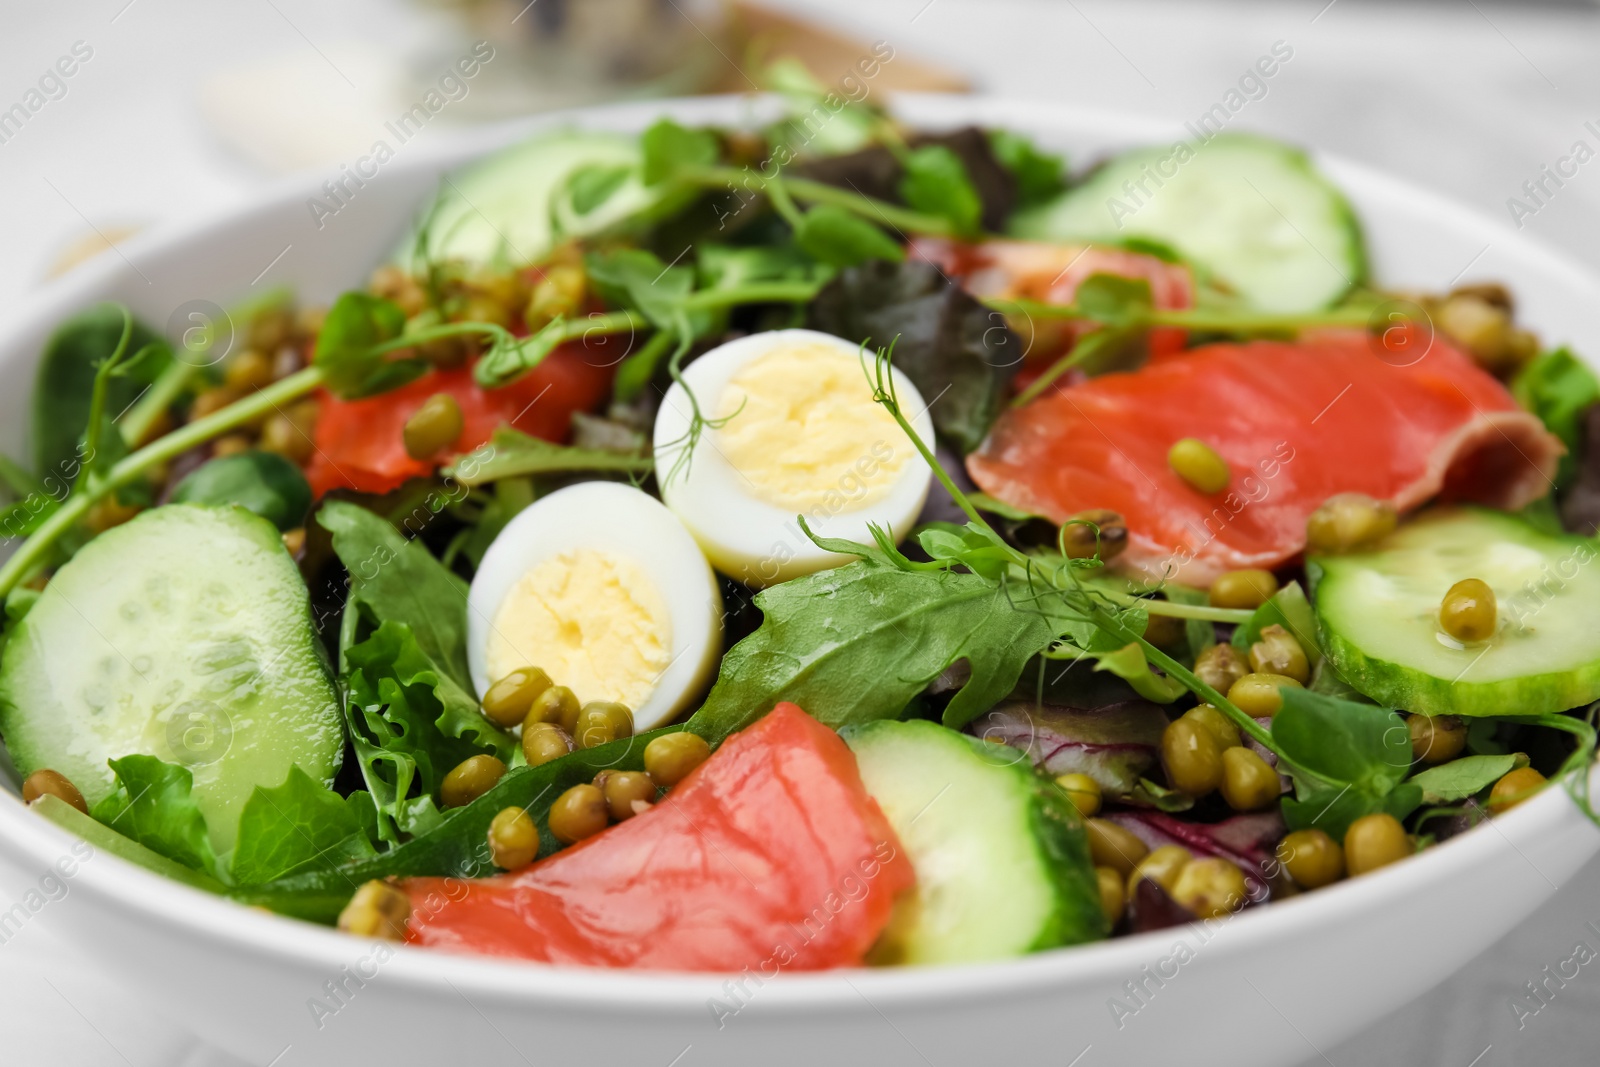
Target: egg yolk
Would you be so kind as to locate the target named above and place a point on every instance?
(593, 621)
(800, 425)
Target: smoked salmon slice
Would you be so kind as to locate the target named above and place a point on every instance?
(769, 856)
(1051, 273)
(1297, 423)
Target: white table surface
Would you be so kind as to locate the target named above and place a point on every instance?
(1470, 98)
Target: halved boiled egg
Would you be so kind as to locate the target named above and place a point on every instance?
(793, 430)
(602, 588)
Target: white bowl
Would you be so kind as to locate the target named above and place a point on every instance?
(1269, 987)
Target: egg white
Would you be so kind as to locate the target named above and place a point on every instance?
(617, 519)
(744, 536)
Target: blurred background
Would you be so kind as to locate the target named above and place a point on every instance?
(176, 109)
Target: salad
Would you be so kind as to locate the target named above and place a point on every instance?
(809, 545)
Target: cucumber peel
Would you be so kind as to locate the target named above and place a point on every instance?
(1001, 855)
(1379, 615)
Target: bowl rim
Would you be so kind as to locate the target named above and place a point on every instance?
(144, 897)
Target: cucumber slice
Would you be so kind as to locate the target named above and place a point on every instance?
(513, 207)
(1253, 210)
(185, 635)
(1379, 614)
(1001, 857)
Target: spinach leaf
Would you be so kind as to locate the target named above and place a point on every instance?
(669, 148)
(511, 454)
(1363, 751)
(1129, 664)
(457, 845)
(1039, 176)
(1558, 388)
(1461, 778)
(298, 824)
(841, 238)
(355, 324)
(936, 182)
(858, 643)
(396, 580)
(1342, 741)
(410, 725)
(1288, 608)
(960, 355)
(154, 805)
(1333, 810)
(261, 482)
(64, 384)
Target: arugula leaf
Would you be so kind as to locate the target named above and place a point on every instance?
(1288, 608)
(154, 805)
(1461, 778)
(512, 453)
(824, 633)
(1129, 664)
(841, 238)
(966, 545)
(457, 844)
(409, 726)
(356, 323)
(954, 349)
(299, 823)
(985, 502)
(396, 580)
(936, 182)
(1559, 388)
(64, 384)
(1039, 176)
(261, 482)
(669, 148)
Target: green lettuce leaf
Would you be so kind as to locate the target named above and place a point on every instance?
(410, 725)
(1559, 388)
(298, 824)
(154, 805)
